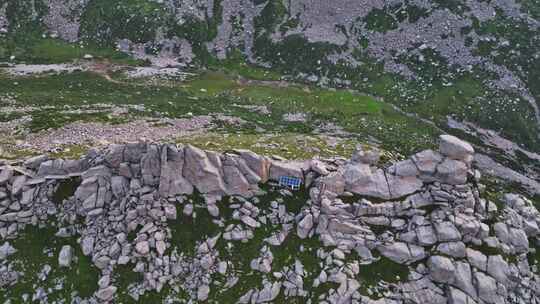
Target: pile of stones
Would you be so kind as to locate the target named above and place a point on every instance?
(426, 212)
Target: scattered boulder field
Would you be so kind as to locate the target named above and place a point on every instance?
(426, 213)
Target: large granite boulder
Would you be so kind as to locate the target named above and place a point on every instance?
(455, 148)
(442, 269)
(235, 181)
(426, 162)
(453, 172)
(365, 180)
(60, 167)
(171, 181)
(402, 253)
(286, 168)
(201, 172)
(258, 164)
(151, 166)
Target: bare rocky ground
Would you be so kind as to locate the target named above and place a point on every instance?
(188, 225)
(427, 213)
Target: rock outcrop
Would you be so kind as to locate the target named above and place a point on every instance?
(425, 213)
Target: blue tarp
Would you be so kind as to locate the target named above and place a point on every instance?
(290, 182)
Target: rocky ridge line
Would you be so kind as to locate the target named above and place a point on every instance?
(429, 205)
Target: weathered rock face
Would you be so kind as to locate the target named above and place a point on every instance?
(282, 168)
(409, 176)
(427, 218)
(360, 179)
(258, 164)
(455, 148)
(204, 174)
(171, 182)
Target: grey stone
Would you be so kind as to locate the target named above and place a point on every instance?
(250, 222)
(258, 164)
(453, 249)
(333, 182)
(188, 209)
(454, 147)
(5, 175)
(457, 296)
(236, 182)
(6, 250)
(87, 244)
(487, 288)
(269, 292)
(282, 168)
(400, 186)
(304, 226)
(360, 179)
(65, 256)
(201, 172)
(115, 155)
(404, 168)
(161, 246)
(318, 167)
(172, 182)
(35, 162)
(106, 294)
(170, 212)
(104, 281)
(151, 165)
(202, 292)
(18, 184)
(222, 267)
(207, 261)
(452, 172)
(28, 196)
(441, 269)
(102, 262)
(498, 268)
(426, 235)
(59, 168)
(519, 239)
(402, 253)
(119, 186)
(501, 231)
(213, 210)
(463, 278)
(142, 247)
(427, 162)
(447, 232)
(477, 259)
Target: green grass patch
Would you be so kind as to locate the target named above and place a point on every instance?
(380, 21)
(65, 190)
(40, 50)
(37, 247)
(217, 92)
(188, 230)
(382, 270)
(288, 145)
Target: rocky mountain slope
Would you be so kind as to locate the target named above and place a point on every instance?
(142, 143)
(464, 67)
(473, 60)
(426, 219)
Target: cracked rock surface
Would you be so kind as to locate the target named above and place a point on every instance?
(425, 215)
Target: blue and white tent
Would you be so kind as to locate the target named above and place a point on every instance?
(290, 182)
